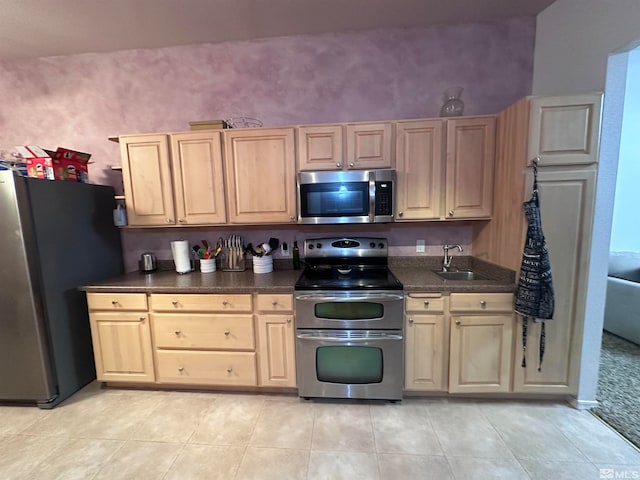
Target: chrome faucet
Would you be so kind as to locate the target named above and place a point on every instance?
(446, 261)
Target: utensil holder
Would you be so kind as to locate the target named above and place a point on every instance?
(207, 265)
(263, 264)
(232, 259)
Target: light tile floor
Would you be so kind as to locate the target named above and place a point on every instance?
(128, 434)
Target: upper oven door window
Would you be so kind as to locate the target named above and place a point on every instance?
(349, 310)
(334, 199)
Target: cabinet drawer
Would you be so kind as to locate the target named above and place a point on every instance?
(201, 331)
(217, 302)
(424, 302)
(206, 368)
(117, 301)
(275, 302)
(481, 302)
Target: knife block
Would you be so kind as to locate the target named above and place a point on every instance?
(232, 259)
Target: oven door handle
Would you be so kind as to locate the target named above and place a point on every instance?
(383, 297)
(365, 337)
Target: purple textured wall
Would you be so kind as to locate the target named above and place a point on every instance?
(78, 101)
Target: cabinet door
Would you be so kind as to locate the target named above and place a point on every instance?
(419, 159)
(122, 347)
(320, 147)
(425, 353)
(369, 145)
(565, 130)
(260, 175)
(469, 176)
(277, 350)
(481, 353)
(197, 178)
(566, 202)
(146, 174)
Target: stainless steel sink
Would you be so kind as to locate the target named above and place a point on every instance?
(461, 275)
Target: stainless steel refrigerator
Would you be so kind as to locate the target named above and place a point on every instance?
(55, 236)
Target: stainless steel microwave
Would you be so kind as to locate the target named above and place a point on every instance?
(353, 196)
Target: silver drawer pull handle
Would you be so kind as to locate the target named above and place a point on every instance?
(177, 332)
(174, 303)
(411, 320)
(181, 369)
(274, 303)
(229, 370)
(458, 322)
(426, 303)
(483, 303)
(226, 333)
(114, 302)
(288, 320)
(225, 303)
(142, 319)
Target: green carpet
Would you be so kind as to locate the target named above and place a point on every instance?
(619, 386)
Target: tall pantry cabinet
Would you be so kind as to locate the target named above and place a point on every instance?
(562, 135)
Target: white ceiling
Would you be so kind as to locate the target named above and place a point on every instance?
(43, 28)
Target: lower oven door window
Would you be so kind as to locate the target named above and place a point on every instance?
(349, 365)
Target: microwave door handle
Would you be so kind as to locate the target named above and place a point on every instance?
(372, 196)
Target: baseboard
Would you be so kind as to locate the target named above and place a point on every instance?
(582, 404)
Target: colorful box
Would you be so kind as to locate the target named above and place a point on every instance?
(39, 163)
(70, 165)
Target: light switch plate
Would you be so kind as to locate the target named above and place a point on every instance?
(284, 250)
(419, 246)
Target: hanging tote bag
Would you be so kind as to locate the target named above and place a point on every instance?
(534, 297)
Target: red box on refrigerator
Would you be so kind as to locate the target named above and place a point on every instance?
(39, 163)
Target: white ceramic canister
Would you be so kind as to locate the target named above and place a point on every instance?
(207, 265)
(263, 264)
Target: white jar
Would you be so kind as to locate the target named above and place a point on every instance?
(208, 265)
(263, 264)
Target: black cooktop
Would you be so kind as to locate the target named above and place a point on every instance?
(345, 278)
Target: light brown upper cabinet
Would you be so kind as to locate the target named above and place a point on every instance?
(565, 130)
(419, 169)
(343, 147)
(469, 167)
(260, 175)
(173, 179)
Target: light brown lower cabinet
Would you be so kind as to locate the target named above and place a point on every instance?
(426, 342)
(194, 339)
(121, 337)
(460, 343)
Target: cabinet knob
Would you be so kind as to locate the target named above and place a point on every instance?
(483, 303)
(181, 369)
(142, 319)
(174, 303)
(400, 214)
(229, 370)
(292, 217)
(426, 303)
(351, 165)
(226, 333)
(114, 302)
(181, 220)
(225, 302)
(177, 332)
(288, 320)
(458, 322)
(274, 303)
(338, 164)
(411, 321)
(168, 220)
(451, 213)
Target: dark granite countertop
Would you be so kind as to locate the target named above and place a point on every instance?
(415, 273)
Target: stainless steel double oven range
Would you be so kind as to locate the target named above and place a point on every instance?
(349, 320)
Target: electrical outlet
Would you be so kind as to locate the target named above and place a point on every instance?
(419, 246)
(284, 250)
